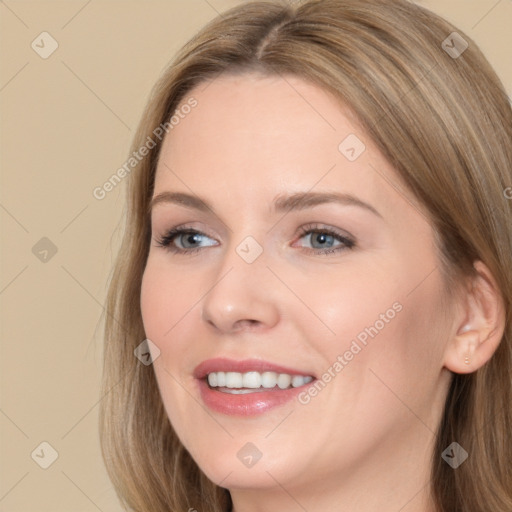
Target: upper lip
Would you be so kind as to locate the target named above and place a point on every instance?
(221, 364)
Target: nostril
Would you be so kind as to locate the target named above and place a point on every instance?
(246, 323)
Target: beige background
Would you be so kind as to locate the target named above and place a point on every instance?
(67, 122)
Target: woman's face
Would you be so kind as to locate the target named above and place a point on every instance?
(346, 291)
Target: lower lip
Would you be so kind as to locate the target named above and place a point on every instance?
(248, 404)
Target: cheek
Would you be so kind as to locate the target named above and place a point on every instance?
(170, 309)
(165, 299)
(403, 338)
(347, 303)
(165, 306)
(154, 303)
(379, 328)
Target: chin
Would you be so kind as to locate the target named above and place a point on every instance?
(241, 468)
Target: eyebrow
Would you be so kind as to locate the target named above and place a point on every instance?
(282, 203)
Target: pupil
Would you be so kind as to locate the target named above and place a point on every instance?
(191, 238)
(322, 238)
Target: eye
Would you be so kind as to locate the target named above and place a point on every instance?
(183, 240)
(323, 240)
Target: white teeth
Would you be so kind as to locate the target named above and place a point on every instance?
(269, 379)
(299, 380)
(234, 380)
(256, 380)
(284, 380)
(212, 379)
(221, 379)
(251, 380)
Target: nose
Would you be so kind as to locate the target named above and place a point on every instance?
(242, 296)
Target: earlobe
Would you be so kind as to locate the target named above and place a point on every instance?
(480, 328)
(463, 355)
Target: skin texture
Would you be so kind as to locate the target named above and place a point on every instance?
(364, 442)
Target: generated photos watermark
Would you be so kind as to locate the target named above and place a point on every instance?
(344, 359)
(100, 192)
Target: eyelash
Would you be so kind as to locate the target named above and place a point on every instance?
(166, 240)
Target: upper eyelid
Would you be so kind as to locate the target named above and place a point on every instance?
(302, 231)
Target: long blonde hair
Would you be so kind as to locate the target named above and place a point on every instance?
(442, 119)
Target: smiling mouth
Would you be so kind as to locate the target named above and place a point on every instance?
(254, 382)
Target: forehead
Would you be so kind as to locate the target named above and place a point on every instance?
(257, 123)
(280, 108)
(252, 136)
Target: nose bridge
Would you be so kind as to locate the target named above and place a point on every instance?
(239, 292)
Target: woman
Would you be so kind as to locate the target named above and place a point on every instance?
(317, 262)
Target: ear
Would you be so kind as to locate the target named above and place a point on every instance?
(479, 325)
